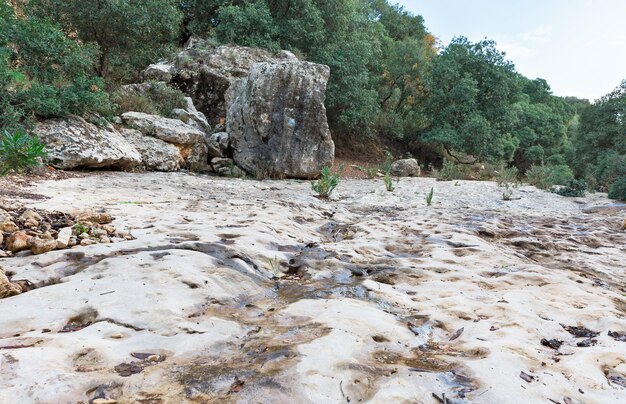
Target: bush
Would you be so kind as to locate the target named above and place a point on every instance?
(618, 189)
(545, 177)
(19, 152)
(326, 184)
(449, 171)
(507, 176)
(44, 73)
(574, 188)
(154, 98)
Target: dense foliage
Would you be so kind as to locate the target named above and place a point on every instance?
(43, 72)
(390, 79)
(19, 152)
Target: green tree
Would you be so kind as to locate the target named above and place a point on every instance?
(469, 93)
(129, 34)
(600, 143)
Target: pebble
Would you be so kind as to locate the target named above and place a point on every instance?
(64, 237)
(41, 246)
(8, 227)
(87, 241)
(117, 335)
(18, 241)
(104, 401)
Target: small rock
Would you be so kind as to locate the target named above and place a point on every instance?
(31, 223)
(18, 241)
(96, 217)
(8, 227)
(104, 401)
(225, 171)
(117, 335)
(7, 288)
(99, 232)
(87, 241)
(109, 229)
(46, 236)
(63, 238)
(237, 172)
(105, 240)
(41, 246)
(122, 234)
(31, 218)
(219, 162)
(83, 236)
(405, 168)
(73, 241)
(1, 238)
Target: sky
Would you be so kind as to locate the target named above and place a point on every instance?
(578, 46)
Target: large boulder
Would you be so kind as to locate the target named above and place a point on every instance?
(156, 154)
(405, 168)
(188, 139)
(191, 116)
(277, 123)
(206, 73)
(72, 142)
(167, 129)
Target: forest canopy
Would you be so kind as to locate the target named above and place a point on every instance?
(391, 80)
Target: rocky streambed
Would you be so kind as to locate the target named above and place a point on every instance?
(247, 291)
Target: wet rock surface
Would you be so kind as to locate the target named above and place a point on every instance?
(371, 296)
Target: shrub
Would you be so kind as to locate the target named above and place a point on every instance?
(574, 188)
(154, 98)
(449, 171)
(326, 183)
(545, 177)
(19, 152)
(507, 176)
(618, 189)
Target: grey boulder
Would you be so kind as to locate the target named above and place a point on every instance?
(218, 144)
(156, 154)
(72, 142)
(405, 168)
(208, 73)
(277, 123)
(189, 140)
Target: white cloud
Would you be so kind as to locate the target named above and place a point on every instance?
(537, 35)
(514, 50)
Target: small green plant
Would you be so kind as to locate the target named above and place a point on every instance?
(327, 182)
(429, 197)
(274, 265)
(388, 182)
(79, 229)
(507, 177)
(574, 188)
(19, 152)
